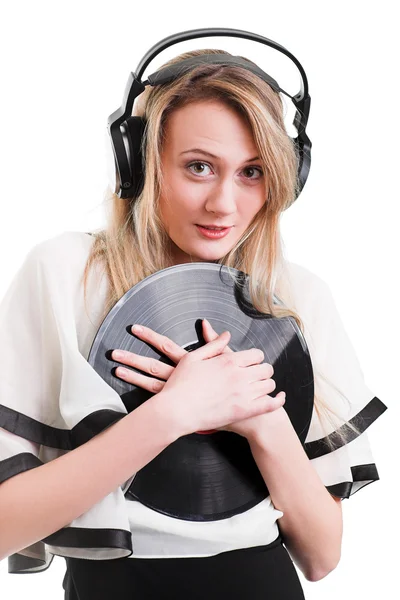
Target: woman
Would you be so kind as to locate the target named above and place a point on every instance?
(216, 155)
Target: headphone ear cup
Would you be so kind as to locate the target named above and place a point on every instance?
(135, 133)
(303, 147)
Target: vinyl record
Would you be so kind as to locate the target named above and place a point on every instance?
(204, 477)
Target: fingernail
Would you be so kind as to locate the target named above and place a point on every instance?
(137, 328)
(205, 320)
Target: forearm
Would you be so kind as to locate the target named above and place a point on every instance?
(311, 526)
(65, 488)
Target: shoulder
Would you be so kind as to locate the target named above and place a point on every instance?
(56, 264)
(310, 297)
(301, 277)
(69, 247)
(302, 289)
(61, 258)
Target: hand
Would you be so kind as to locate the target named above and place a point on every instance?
(155, 367)
(162, 372)
(246, 427)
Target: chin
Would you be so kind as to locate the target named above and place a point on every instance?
(187, 255)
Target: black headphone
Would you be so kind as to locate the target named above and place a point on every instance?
(126, 132)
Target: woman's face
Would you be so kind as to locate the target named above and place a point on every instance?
(212, 176)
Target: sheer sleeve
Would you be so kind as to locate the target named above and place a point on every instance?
(52, 400)
(344, 466)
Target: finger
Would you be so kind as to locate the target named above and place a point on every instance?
(247, 358)
(263, 386)
(147, 383)
(211, 349)
(243, 358)
(154, 367)
(210, 334)
(267, 403)
(259, 372)
(161, 342)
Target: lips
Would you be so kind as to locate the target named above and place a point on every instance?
(213, 234)
(214, 226)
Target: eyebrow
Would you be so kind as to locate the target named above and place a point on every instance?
(199, 150)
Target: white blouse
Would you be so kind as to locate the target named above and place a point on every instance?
(45, 329)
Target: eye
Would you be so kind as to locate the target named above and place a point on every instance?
(196, 164)
(254, 170)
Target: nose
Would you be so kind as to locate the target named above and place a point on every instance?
(221, 198)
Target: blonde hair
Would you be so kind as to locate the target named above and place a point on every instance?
(135, 245)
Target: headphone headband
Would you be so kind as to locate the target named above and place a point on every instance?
(191, 34)
(171, 72)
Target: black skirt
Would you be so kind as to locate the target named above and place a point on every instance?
(258, 573)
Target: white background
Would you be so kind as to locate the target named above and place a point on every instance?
(64, 71)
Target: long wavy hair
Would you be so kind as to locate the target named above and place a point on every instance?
(135, 244)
